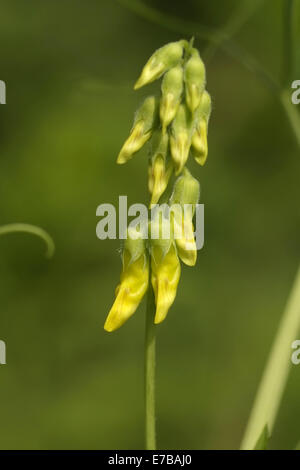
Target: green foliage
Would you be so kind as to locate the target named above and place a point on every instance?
(262, 442)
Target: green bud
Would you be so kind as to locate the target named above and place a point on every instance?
(205, 106)
(160, 167)
(199, 139)
(195, 78)
(144, 121)
(185, 195)
(199, 143)
(180, 139)
(172, 86)
(186, 190)
(162, 60)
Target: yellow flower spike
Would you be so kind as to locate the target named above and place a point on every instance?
(199, 139)
(184, 198)
(162, 60)
(144, 122)
(133, 284)
(172, 87)
(195, 79)
(180, 140)
(160, 167)
(165, 275)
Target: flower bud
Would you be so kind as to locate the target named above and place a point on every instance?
(205, 106)
(172, 86)
(144, 122)
(160, 167)
(195, 78)
(133, 283)
(165, 274)
(180, 139)
(199, 139)
(162, 60)
(185, 196)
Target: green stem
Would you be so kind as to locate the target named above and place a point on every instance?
(150, 433)
(276, 373)
(277, 370)
(33, 230)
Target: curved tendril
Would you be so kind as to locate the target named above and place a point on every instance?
(33, 230)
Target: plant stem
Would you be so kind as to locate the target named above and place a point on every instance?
(150, 433)
(276, 373)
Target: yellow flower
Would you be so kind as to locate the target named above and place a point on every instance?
(141, 132)
(162, 60)
(185, 243)
(199, 139)
(199, 142)
(160, 167)
(183, 202)
(165, 275)
(172, 86)
(194, 77)
(133, 284)
(180, 139)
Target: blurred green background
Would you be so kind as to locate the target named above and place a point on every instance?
(69, 67)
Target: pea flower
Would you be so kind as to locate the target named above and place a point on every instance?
(165, 273)
(142, 129)
(162, 60)
(160, 166)
(172, 87)
(181, 136)
(184, 198)
(199, 139)
(173, 125)
(133, 283)
(195, 79)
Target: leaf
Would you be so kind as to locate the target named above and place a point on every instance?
(263, 440)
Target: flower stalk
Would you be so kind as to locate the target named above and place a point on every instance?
(150, 361)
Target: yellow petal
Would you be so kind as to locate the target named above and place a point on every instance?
(180, 147)
(129, 293)
(134, 143)
(165, 277)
